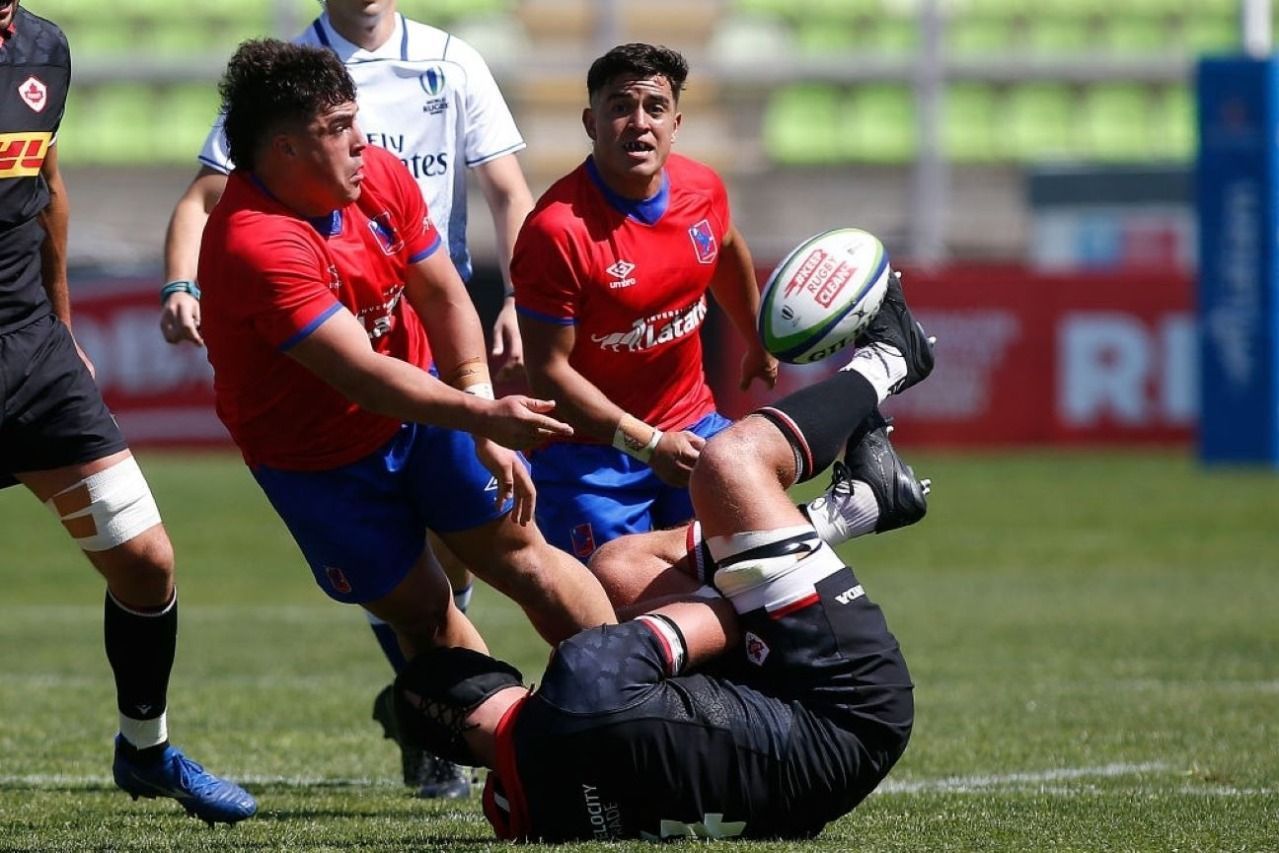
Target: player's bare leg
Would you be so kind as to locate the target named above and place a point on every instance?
(107, 507)
(640, 571)
(421, 611)
(558, 593)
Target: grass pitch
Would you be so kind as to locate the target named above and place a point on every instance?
(1094, 640)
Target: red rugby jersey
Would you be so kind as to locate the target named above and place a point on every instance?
(270, 277)
(632, 277)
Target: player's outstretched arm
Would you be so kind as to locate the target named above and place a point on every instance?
(509, 201)
(180, 314)
(737, 292)
(338, 351)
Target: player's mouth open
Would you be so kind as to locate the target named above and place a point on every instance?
(637, 147)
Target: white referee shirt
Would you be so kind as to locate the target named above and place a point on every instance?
(428, 98)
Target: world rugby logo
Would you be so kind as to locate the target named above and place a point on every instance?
(432, 81)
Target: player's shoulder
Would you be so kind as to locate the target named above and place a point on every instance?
(381, 164)
(689, 174)
(39, 40)
(563, 200)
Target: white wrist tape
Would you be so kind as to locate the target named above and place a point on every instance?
(108, 508)
(629, 445)
(480, 389)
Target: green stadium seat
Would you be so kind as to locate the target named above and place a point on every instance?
(1115, 122)
(1059, 34)
(800, 124)
(1202, 33)
(971, 122)
(877, 124)
(896, 33)
(188, 112)
(1174, 134)
(116, 122)
(1129, 34)
(819, 38)
(978, 35)
(1040, 122)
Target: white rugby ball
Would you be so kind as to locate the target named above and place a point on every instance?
(822, 295)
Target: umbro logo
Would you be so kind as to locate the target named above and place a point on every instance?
(621, 271)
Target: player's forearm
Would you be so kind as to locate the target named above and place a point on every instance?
(578, 401)
(53, 251)
(397, 389)
(735, 287)
(510, 203)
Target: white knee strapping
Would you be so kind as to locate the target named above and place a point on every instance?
(107, 509)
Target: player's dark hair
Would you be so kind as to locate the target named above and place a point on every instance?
(271, 84)
(638, 60)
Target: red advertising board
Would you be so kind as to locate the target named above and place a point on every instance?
(1022, 358)
(1030, 358)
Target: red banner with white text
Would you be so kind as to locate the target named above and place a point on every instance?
(1029, 358)
(1022, 358)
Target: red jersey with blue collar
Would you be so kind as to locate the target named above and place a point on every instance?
(632, 278)
(270, 277)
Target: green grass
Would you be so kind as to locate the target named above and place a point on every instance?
(1094, 639)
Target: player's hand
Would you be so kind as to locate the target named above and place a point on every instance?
(508, 347)
(758, 363)
(675, 455)
(180, 319)
(520, 422)
(513, 480)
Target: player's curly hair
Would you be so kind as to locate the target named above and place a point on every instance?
(640, 60)
(271, 84)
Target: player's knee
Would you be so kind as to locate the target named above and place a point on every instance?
(722, 460)
(109, 509)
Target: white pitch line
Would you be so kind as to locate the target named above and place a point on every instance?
(964, 784)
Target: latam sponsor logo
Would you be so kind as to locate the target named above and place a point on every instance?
(649, 332)
(704, 245)
(34, 93)
(822, 276)
(605, 818)
(621, 273)
(22, 154)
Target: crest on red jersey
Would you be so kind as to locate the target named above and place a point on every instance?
(34, 93)
(704, 242)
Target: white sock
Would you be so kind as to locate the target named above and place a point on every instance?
(881, 365)
(840, 515)
(145, 733)
(462, 597)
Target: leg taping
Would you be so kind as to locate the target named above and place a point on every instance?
(107, 509)
(817, 420)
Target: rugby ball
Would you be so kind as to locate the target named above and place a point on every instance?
(822, 295)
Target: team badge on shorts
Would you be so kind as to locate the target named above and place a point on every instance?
(34, 93)
(756, 649)
(704, 242)
(337, 579)
(583, 536)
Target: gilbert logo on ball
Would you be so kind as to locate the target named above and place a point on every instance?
(822, 295)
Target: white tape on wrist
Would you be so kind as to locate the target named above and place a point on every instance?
(623, 441)
(481, 389)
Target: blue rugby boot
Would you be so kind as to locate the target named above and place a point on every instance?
(199, 792)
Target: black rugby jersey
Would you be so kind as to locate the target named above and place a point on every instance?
(35, 72)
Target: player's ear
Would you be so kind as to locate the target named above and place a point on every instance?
(588, 122)
(679, 119)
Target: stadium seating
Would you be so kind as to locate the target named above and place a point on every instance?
(988, 116)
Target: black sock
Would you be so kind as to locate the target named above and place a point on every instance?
(817, 420)
(140, 648)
